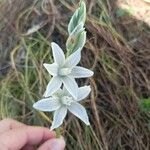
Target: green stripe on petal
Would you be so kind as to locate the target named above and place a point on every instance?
(73, 59)
(79, 111)
(51, 68)
(52, 86)
(83, 92)
(58, 118)
(47, 104)
(81, 72)
(58, 54)
(71, 85)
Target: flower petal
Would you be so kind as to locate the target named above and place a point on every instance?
(81, 72)
(65, 92)
(47, 104)
(71, 85)
(73, 59)
(58, 54)
(79, 111)
(52, 86)
(59, 116)
(51, 68)
(83, 92)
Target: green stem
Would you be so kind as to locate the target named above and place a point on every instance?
(58, 132)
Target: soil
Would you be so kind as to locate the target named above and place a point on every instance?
(140, 9)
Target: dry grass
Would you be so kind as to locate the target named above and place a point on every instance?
(117, 49)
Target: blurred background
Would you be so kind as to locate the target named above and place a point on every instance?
(117, 50)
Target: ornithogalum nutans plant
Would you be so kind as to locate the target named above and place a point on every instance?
(62, 92)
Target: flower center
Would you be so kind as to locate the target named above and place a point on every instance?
(67, 100)
(64, 71)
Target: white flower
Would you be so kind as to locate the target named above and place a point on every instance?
(61, 101)
(65, 71)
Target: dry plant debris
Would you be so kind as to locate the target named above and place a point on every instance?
(117, 50)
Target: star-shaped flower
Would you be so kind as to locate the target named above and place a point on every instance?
(65, 71)
(60, 102)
